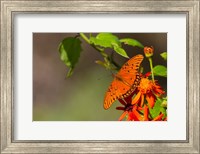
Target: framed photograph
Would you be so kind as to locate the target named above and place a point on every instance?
(99, 76)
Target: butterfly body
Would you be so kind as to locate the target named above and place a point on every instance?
(124, 82)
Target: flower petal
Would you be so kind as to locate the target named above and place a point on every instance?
(142, 100)
(159, 117)
(122, 116)
(146, 112)
(140, 108)
(132, 117)
(136, 98)
(136, 113)
(158, 89)
(147, 74)
(120, 108)
(122, 102)
(150, 99)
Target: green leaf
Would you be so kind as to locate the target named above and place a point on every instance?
(160, 70)
(69, 50)
(106, 40)
(158, 108)
(164, 55)
(109, 38)
(121, 51)
(132, 42)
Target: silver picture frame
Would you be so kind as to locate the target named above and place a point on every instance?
(11, 7)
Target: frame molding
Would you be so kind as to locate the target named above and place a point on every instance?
(10, 7)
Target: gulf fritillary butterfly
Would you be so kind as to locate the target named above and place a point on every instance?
(125, 81)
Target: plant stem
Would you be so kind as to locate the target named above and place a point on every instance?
(85, 37)
(97, 48)
(151, 66)
(100, 50)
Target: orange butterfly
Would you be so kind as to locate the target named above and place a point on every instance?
(125, 81)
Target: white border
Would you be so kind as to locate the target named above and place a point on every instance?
(173, 129)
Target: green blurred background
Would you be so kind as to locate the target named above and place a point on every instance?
(80, 97)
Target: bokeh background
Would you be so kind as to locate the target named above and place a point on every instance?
(80, 97)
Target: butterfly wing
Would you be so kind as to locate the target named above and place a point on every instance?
(129, 71)
(123, 80)
(114, 92)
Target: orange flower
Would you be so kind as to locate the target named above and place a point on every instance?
(127, 107)
(149, 90)
(129, 110)
(134, 108)
(133, 112)
(132, 115)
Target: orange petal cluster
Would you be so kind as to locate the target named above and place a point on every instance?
(135, 107)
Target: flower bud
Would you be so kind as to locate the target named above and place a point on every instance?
(148, 51)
